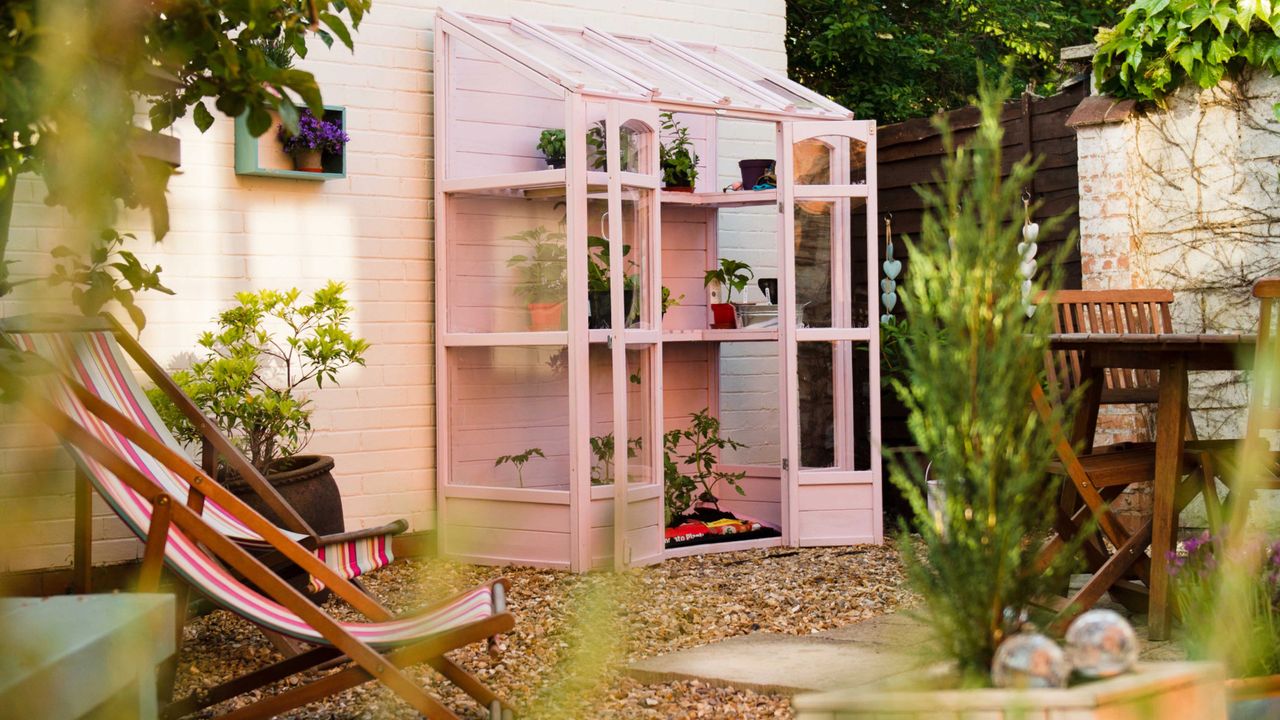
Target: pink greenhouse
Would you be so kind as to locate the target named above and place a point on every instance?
(560, 148)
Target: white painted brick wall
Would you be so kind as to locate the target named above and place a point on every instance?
(371, 230)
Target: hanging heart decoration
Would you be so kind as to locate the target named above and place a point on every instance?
(886, 318)
(1028, 267)
(890, 301)
(1030, 232)
(892, 268)
(887, 285)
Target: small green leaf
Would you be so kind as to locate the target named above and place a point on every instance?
(202, 116)
(259, 121)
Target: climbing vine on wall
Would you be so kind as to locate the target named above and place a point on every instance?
(1160, 45)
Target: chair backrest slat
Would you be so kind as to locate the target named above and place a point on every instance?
(1112, 312)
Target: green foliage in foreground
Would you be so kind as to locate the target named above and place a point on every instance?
(895, 61)
(1161, 45)
(972, 357)
(73, 75)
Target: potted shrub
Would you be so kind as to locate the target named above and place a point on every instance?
(731, 276)
(598, 284)
(677, 158)
(551, 145)
(315, 137)
(543, 276)
(250, 382)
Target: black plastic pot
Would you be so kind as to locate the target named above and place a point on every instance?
(557, 163)
(601, 314)
(305, 482)
(752, 170)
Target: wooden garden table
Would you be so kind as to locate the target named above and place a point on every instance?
(1173, 355)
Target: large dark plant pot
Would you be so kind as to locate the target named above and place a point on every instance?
(753, 170)
(305, 482)
(601, 313)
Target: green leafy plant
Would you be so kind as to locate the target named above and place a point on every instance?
(1160, 45)
(598, 264)
(972, 358)
(250, 381)
(110, 273)
(602, 449)
(543, 269)
(732, 276)
(898, 61)
(551, 144)
(668, 301)
(702, 444)
(893, 334)
(1202, 579)
(676, 156)
(518, 461)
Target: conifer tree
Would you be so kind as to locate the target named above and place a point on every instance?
(972, 356)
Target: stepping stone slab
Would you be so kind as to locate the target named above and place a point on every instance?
(774, 663)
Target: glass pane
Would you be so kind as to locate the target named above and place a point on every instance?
(814, 228)
(576, 70)
(668, 85)
(678, 64)
(749, 403)
(861, 406)
(509, 417)
(749, 74)
(637, 266)
(815, 368)
(507, 264)
(485, 136)
(601, 430)
(815, 164)
(641, 443)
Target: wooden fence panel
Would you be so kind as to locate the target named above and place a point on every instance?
(910, 154)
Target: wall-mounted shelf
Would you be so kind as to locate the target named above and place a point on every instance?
(263, 156)
(746, 198)
(747, 334)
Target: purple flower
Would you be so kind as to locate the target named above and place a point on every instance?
(313, 134)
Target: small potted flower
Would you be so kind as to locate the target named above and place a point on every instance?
(315, 137)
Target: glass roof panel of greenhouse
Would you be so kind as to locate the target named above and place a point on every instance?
(593, 62)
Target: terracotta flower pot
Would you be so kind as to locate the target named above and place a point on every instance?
(678, 188)
(308, 161)
(723, 316)
(546, 316)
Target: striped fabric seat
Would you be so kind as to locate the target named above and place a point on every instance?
(95, 361)
(182, 554)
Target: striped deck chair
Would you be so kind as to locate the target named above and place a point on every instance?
(90, 351)
(119, 458)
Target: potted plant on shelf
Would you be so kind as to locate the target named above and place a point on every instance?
(677, 158)
(598, 284)
(250, 382)
(315, 137)
(551, 145)
(753, 170)
(732, 275)
(543, 276)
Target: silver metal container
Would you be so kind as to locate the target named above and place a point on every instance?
(760, 315)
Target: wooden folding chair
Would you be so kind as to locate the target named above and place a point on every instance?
(1251, 454)
(116, 455)
(1097, 476)
(89, 350)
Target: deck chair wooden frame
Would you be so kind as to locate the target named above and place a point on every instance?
(361, 662)
(1114, 552)
(214, 445)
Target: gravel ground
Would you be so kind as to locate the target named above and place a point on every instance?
(574, 632)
